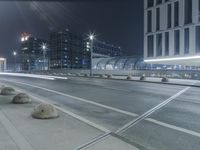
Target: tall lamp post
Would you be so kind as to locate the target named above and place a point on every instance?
(44, 48)
(15, 54)
(91, 37)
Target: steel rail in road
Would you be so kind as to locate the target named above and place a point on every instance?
(149, 112)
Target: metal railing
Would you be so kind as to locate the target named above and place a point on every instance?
(178, 74)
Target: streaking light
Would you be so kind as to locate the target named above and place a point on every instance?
(28, 75)
(172, 59)
(2, 59)
(47, 77)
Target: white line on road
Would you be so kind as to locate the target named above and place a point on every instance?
(174, 127)
(79, 99)
(148, 113)
(193, 133)
(47, 77)
(39, 99)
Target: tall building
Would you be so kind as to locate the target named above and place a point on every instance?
(33, 53)
(68, 51)
(3, 64)
(104, 50)
(172, 31)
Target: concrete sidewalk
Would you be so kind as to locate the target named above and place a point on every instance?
(19, 131)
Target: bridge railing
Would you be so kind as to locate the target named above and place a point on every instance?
(179, 74)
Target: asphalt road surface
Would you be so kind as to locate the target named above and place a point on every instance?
(149, 116)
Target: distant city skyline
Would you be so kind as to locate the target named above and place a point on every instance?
(116, 22)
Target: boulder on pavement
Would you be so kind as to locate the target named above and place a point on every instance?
(78, 74)
(129, 77)
(142, 78)
(21, 98)
(45, 111)
(7, 91)
(102, 76)
(86, 75)
(164, 79)
(109, 76)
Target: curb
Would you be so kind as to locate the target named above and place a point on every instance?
(165, 83)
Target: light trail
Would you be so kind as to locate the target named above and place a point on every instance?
(34, 76)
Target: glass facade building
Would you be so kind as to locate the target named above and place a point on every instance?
(172, 32)
(68, 50)
(32, 55)
(3, 64)
(103, 49)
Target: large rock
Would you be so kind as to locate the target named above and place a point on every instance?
(21, 98)
(164, 79)
(129, 77)
(142, 78)
(7, 91)
(78, 74)
(102, 76)
(45, 111)
(109, 76)
(86, 75)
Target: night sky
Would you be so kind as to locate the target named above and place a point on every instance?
(115, 22)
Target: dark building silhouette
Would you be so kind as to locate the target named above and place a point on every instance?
(68, 51)
(32, 53)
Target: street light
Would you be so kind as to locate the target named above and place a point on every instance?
(44, 48)
(14, 54)
(91, 37)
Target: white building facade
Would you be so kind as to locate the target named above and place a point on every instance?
(3, 64)
(172, 32)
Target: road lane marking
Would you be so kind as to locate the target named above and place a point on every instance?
(99, 127)
(17, 137)
(47, 77)
(79, 99)
(83, 146)
(148, 113)
(28, 75)
(40, 99)
(193, 133)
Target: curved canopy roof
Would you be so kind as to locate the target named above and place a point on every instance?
(128, 63)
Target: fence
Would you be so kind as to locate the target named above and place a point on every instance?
(179, 74)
